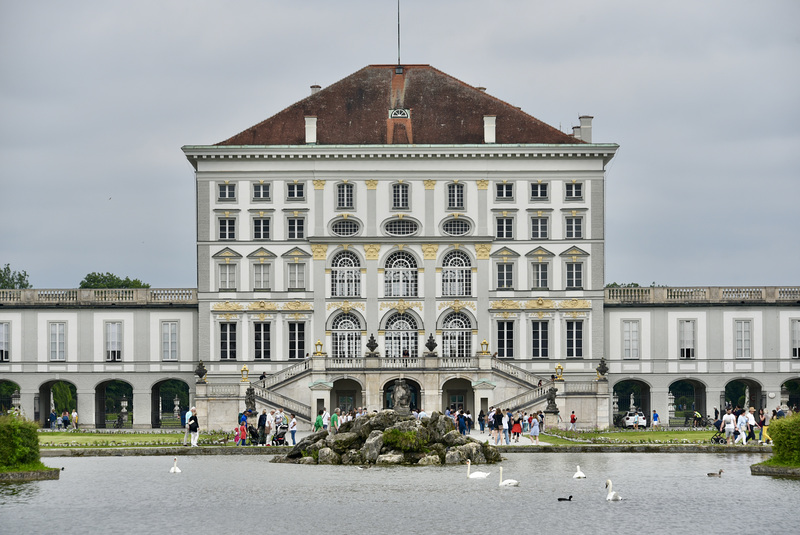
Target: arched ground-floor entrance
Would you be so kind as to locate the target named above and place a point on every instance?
(743, 392)
(630, 393)
(457, 394)
(688, 396)
(790, 395)
(415, 401)
(7, 389)
(113, 401)
(346, 395)
(60, 397)
(169, 403)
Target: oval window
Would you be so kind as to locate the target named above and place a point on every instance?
(401, 227)
(345, 227)
(456, 227)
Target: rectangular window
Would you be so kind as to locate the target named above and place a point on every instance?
(796, 339)
(540, 339)
(505, 228)
(227, 277)
(538, 228)
(261, 340)
(58, 345)
(505, 191)
(574, 276)
(686, 333)
(113, 341)
(630, 339)
(505, 276)
(540, 281)
(539, 191)
(227, 192)
(261, 276)
(261, 228)
(227, 341)
(574, 339)
(5, 342)
(505, 339)
(743, 339)
(455, 196)
(227, 228)
(261, 192)
(344, 196)
(169, 340)
(297, 340)
(574, 191)
(574, 228)
(297, 276)
(400, 196)
(295, 192)
(296, 228)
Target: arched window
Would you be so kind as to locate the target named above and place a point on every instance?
(457, 335)
(401, 335)
(346, 337)
(456, 274)
(345, 275)
(400, 275)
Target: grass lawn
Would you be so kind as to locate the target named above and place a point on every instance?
(103, 440)
(30, 467)
(635, 437)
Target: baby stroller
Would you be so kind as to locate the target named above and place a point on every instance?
(719, 436)
(279, 439)
(252, 434)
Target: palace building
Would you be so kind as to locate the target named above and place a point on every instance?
(402, 224)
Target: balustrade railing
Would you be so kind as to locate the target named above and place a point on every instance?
(709, 294)
(285, 374)
(458, 362)
(93, 296)
(400, 362)
(344, 363)
(526, 398)
(517, 372)
(223, 390)
(299, 409)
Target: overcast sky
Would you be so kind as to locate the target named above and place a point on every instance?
(97, 98)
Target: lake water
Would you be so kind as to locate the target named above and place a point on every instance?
(662, 493)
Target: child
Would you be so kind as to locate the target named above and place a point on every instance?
(243, 434)
(236, 436)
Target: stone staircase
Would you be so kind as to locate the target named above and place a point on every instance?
(530, 381)
(264, 390)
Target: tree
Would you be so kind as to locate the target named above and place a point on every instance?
(623, 285)
(109, 280)
(13, 280)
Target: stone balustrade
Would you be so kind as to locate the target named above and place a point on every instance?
(99, 296)
(702, 294)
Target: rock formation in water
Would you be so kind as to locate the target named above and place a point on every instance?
(389, 438)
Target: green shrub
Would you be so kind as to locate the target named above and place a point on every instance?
(403, 440)
(785, 434)
(19, 442)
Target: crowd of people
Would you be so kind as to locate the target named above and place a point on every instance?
(740, 425)
(64, 422)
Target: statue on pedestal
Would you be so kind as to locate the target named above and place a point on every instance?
(551, 400)
(401, 397)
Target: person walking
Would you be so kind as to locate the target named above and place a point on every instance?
(318, 422)
(516, 427)
(75, 419)
(506, 423)
(481, 420)
(636, 421)
(270, 428)
(53, 419)
(186, 426)
(335, 421)
(293, 428)
(534, 435)
(742, 425)
(654, 423)
(326, 418)
(498, 426)
(729, 424)
(194, 427)
(65, 420)
(572, 421)
(751, 424)
(262, 428)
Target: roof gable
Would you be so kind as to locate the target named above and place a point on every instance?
(377, 106)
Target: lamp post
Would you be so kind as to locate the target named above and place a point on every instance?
(124, 410)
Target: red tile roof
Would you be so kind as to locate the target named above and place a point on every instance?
(443, 110)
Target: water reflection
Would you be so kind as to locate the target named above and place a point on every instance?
(668, 493)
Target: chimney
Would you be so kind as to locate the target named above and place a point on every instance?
(586, 128)
(315, 89)
(311, 130)
(576, 132)
(489, 122)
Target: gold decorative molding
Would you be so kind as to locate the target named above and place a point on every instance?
(298, 305)
(429, 250)
(540, 303)
(401, 305)
(372, 250)
(575, 314)
(227, 305)
(297, 316)
(482, 250)
(575, 303)
(505, 304)
(319, 184)
(372, 184)
(346, 306)
(319, 250)
(229, 316)
(261, 316)
(263, 305)
(458, 305)
(429, 184)
(483, 184)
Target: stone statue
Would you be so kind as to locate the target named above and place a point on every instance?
(602, 369)
(551, 400)
(250, 399)
(632, 404)
(401, 397)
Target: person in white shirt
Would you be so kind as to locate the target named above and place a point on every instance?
(742, 424)
(293, 428)
(186, 425)
(326, 418)
(728, 424)
(751, 424)
(422, 414)
(270, 429)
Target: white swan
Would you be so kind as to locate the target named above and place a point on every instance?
(475, 475)
(612, 496)
(507, 482)
(174, 469)
(579, 474)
